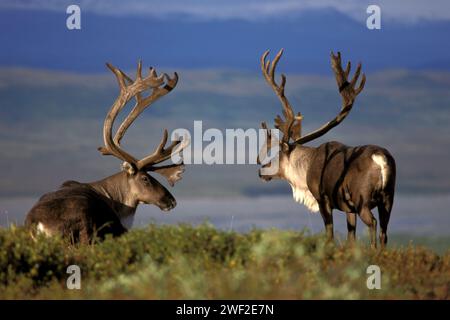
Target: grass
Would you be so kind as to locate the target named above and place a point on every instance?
(186, 262)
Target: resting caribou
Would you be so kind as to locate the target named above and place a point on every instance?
(354, 180)
(82, 211)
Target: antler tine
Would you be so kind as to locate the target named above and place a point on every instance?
(347, 69)
(361, 85)
(161, 153)
(139, 71)
(264, 126)
(119, 75)
(291, 126)
(267, 144)
(347, 91)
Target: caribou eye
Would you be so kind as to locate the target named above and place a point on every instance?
(145, 179)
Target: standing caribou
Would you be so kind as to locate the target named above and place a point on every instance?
(82, 211)
(331, 176)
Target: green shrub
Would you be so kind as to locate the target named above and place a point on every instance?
(159, 262)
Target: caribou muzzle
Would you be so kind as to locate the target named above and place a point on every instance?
(168, 204)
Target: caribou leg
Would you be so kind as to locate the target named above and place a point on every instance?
(367, 217)
(384, 213)
(327, 216)
(351, 227)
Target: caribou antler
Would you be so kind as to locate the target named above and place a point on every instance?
(347, 91)
(160, 86)
(143, 103)
(160, 154)
(291, 126)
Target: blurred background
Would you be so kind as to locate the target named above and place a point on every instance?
(55, 92)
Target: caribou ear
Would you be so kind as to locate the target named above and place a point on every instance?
(171, 172)
(129, 168)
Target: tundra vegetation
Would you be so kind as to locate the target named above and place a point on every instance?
(202, 262)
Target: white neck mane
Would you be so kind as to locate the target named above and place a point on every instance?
(295, 173)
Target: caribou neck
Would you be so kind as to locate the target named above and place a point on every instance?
(114, 188)
(295, 171)
(298, 163)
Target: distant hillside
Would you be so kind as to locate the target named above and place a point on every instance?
(53, 121)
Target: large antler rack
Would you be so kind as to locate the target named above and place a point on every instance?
(290, 127)
(159, 86)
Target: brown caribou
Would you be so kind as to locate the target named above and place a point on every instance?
(84, 211)
(354, 180)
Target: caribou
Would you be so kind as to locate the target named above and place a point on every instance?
(353, 180)
(83, 212)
